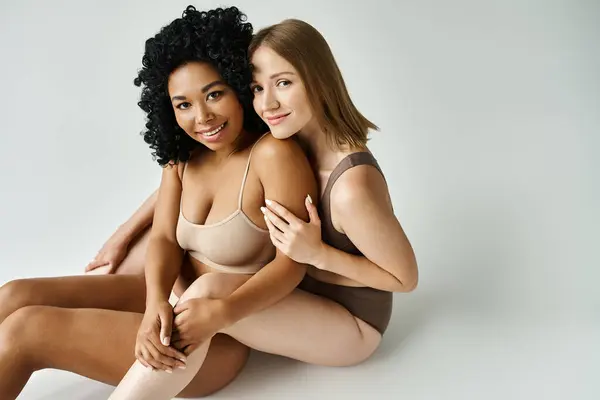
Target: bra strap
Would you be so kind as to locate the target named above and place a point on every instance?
(246, 171)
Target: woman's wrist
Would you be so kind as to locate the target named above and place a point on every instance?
(320, 257)
(155, 296)
(125, 233)
(229, 312)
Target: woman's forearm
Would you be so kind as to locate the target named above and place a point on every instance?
(361, 270)
(163, 266)
(269, 285)
(140, 219)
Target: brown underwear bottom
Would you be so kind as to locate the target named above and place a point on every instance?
(370, 305)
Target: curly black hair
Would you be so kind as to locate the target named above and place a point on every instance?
(220, 37)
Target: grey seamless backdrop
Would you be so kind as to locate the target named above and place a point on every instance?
(490, 119)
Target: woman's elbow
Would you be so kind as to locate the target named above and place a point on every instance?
(408, 282)
(411, 284)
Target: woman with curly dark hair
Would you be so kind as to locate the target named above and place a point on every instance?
(218, 168)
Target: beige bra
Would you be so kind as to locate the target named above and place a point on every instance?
(233, 245)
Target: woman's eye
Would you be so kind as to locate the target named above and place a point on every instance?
(283, 83)
(256, 89)
(183, 106)
(215, 95)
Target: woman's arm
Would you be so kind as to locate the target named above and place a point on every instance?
(164, 255)
(286, 177)
(361, 205)
(140, 220)
(116, 248)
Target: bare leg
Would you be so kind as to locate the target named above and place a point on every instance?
(301, 326)
(141, 383)
(93, 343)
(308, 328)
(122, 293)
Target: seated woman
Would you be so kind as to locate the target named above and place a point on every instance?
(218, 168)
(357, 250)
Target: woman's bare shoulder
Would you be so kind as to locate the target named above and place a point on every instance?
(277, 150)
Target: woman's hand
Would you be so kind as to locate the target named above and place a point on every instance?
(153, 339)
(112, 253)
(299, 240)
(196, 321)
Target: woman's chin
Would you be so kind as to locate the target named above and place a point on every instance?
(281, 133)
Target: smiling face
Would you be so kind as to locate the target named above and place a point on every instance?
(280, 97)
(205, 107)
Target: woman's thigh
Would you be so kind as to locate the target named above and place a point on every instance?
(308, 328)
(302, 326)
(112, 292)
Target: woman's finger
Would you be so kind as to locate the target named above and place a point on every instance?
(160, 360)
(167, 355)
(140, 358)
(282, 211)
(176, 354)
(95, 263)
(276, 221)
(274, 231)
(148, 358)
(313, 213)
(166, 326)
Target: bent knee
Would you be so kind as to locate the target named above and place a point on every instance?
(204, 286)
(20, 330)
(14, 295)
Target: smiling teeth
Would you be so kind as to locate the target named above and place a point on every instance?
(214, 132)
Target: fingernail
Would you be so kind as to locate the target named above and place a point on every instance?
(165, 341)
(268, 201)
(182, 367)
(263, 209)
(169, 371)
(309, 198)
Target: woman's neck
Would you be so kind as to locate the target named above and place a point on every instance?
(243, 140)
(323, 156)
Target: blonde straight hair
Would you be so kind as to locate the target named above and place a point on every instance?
(308, 52)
